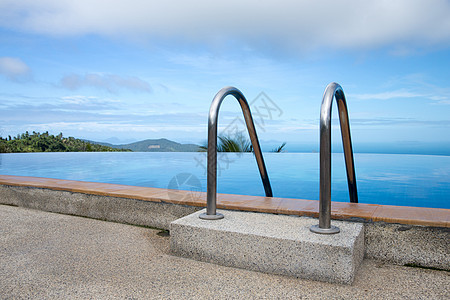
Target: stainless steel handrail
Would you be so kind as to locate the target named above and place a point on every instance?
(211, 193)
(331, 91)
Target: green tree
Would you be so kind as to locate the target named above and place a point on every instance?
(37, 142)
(237, 143)
(280, 148)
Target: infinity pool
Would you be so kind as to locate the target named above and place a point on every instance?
(394, 179)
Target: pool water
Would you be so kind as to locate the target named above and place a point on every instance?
(390, 179)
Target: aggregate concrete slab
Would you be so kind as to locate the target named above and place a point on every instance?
(403, 244)
(51, 256)
(271, 244)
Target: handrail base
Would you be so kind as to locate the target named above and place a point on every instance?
(331, 230)
(205, 216)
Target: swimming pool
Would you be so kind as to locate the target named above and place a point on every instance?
(405, 180)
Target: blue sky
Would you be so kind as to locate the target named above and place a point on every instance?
(122, 71)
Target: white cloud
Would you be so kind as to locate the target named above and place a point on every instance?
(444, 102)
(295, 24)
(422, 90)
(122, 130)
(14, 68)
(88, 103)
(387, 95)
(109, 82)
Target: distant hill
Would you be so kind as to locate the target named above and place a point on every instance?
(157, 145)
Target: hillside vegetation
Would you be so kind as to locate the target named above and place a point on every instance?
(157, 145)
(37, 142)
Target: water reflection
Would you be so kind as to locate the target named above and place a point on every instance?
(408, 180)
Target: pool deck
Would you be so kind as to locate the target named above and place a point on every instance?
(53, 256)
(421, 216)
(395, 235)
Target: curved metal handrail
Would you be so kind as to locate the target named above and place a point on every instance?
(331, 91)
(211, 193)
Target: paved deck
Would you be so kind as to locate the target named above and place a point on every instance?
(47, 255)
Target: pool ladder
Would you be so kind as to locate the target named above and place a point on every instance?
(333, 90)
(211, 192)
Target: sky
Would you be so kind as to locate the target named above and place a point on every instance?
(123, 71)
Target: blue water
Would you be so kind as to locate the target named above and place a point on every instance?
(406, 180)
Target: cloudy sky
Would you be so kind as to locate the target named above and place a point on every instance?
(123, 71)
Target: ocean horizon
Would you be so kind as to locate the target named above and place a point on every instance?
(439, 149)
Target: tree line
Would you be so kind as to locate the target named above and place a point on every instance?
(45, 142)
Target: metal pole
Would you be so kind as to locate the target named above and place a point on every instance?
(211, 192)
(347, 144)
(331, 91)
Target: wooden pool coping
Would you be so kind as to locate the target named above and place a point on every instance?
(435, 217)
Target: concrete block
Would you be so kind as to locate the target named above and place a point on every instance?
(268, 243)
(123, 210)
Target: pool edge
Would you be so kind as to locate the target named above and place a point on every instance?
(421, 216)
